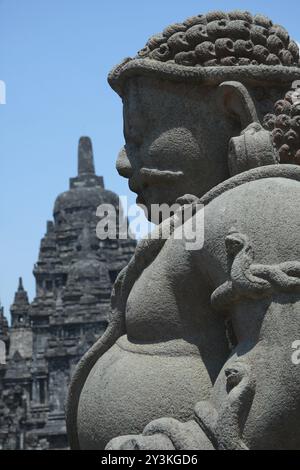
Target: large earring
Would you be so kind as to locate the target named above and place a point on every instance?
(251, 149)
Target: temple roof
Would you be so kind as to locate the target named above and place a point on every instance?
(86, 189)
(19, 308)
(21, 297)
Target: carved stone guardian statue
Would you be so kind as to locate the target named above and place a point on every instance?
(197, 354)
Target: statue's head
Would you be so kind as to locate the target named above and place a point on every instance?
(204, 100)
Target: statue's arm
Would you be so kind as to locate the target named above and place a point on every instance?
(256, 395)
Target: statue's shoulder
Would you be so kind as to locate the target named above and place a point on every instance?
(263, 205)
(264, 190)
(261, 179)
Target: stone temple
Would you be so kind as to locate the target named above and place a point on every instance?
(47, 337)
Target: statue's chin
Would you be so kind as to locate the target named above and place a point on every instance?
(140, 200)
(147, 207)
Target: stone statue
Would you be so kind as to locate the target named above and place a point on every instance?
(198, 352)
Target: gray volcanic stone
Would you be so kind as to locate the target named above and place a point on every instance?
(198, 351)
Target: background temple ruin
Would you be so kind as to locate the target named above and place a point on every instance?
(47, 337)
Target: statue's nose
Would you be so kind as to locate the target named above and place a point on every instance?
(123, 164)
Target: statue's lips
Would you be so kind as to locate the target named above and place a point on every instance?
(147, 177)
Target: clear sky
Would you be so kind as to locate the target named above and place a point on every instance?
(54, 58)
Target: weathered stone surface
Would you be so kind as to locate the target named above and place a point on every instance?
(74, 275)
(218, 38)
(204, 337)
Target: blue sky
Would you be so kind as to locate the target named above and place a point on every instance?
(54, 58)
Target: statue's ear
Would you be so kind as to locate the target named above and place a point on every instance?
(254, 146)
(236, 102)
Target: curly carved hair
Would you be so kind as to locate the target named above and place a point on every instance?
(218, 38)
(284, 125)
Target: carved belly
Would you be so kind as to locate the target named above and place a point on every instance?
(132, 384)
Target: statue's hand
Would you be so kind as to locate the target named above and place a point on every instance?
(164, 434)
(140, 442)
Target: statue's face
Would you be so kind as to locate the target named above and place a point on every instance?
(176, 140)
